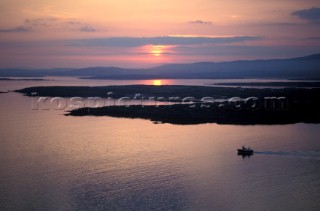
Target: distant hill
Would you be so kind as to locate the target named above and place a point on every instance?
(16, 72)
(295, 68)
(307, 67)
(97, 71)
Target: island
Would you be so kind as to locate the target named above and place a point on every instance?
(23, 79)
(195, 104)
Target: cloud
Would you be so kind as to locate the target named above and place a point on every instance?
(201, 22)
(165, 40)
(56, 23)
(311, 15)
(40, 22)
(79, 26)
(31, 24)
(87, 29)
(313, 38)
(16, 29)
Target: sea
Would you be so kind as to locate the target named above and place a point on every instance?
(49, 161)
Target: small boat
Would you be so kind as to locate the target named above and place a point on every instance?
(245, 151)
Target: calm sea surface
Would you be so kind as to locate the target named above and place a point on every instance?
(52, 162)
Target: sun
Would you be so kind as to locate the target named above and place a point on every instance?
(157, 50)
(157, 82)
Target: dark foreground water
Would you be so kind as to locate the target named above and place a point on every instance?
(52, 162)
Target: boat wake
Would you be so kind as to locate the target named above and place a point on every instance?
(298, 154)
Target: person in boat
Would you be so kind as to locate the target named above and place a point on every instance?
(246, 148)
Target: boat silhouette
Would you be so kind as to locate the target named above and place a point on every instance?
(245, 151)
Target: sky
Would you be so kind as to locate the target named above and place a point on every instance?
(146, 33)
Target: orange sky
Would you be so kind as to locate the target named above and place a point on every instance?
(76, 33)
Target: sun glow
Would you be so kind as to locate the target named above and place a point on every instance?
(157, 82)
(157, 50)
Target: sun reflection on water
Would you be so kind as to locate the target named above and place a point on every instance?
(157, 82)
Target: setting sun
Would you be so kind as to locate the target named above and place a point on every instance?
(157, 50)
(157, 82)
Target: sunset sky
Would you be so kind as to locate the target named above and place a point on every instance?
(146, 33)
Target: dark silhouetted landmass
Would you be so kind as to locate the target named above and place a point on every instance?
(167, 91)
(185, 114)
(23, 79)
(16, 72)
(289, 105)
(304, 79)
(295, 68)
(274, 84)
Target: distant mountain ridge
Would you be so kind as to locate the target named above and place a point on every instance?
(307, 67)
